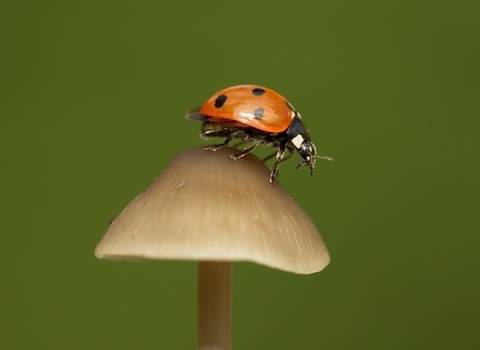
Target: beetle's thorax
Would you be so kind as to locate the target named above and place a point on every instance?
(298, 136)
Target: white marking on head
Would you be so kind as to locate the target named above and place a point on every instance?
(298, 140)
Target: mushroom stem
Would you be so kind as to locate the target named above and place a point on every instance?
(214, 305)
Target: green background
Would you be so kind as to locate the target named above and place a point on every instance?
(92, 103)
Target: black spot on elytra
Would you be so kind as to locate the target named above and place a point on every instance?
(258, 91)
(220, 101)
(258, 113)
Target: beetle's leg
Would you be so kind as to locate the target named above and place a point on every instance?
(312, 163)
(303, 162)
(299, 165)
(267, 158)
(229, 138)
(280, 154)
(245, 151)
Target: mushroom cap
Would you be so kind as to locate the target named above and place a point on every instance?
(205, 206)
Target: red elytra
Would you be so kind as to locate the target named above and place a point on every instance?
(256, 106)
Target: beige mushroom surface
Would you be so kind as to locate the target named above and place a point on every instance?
(207, 207)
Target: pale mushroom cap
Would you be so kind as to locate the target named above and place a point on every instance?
(204, 206)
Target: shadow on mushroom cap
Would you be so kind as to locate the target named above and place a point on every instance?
(204, 206)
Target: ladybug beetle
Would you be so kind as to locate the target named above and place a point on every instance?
(258, 114)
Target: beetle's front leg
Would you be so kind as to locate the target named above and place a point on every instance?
(280, 154)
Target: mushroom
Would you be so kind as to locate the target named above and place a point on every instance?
(208, 208)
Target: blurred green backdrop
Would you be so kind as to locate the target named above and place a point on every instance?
(92, 103)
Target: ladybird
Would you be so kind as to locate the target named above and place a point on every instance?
(258, 114)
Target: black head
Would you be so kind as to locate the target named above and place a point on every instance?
(299, 138)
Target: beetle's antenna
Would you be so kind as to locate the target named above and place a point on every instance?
(325, 157)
